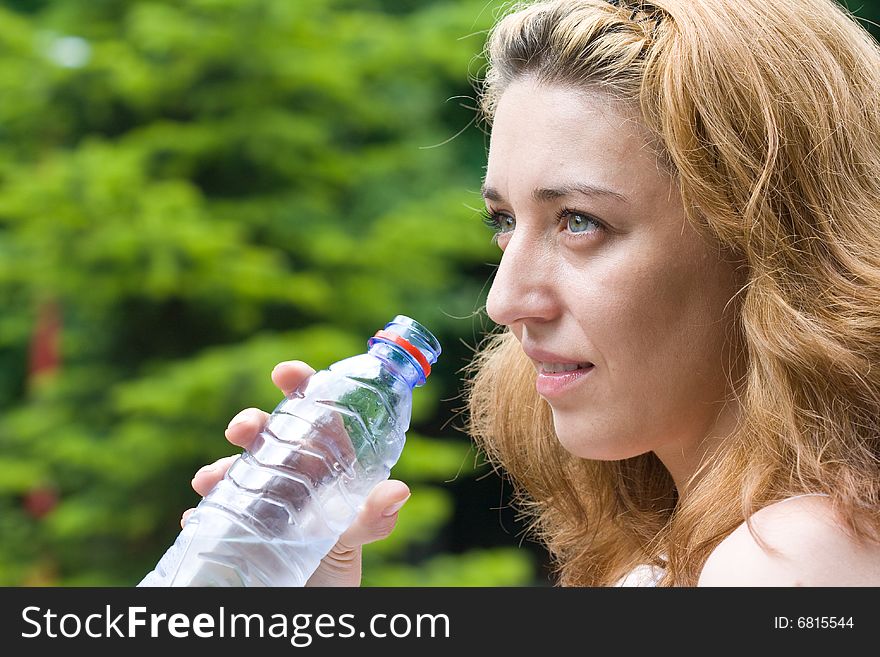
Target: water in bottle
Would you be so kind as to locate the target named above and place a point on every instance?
(285, 500)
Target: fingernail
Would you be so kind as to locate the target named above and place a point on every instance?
(394, 508)
(205, 469)
(242, 416)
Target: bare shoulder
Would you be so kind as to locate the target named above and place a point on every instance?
(800, 542)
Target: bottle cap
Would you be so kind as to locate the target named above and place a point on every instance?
(408, 347)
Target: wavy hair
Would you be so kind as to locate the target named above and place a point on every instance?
(767, 115)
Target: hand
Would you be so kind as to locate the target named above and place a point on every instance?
(342, 565)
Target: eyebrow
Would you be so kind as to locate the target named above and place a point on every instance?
(546, 194)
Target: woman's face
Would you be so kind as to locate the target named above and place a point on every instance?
(601, 271)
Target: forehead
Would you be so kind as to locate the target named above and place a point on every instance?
(543, 132)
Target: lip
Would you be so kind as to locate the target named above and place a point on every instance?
(539, 356)
(550, 385)
(555, 384)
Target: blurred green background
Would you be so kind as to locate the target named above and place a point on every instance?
(194, 190)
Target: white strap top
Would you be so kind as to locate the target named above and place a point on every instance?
(642, 575)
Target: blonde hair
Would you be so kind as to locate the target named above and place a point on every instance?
(767, 115)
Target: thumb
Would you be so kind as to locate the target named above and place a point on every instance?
(378, 516)
(342, 565)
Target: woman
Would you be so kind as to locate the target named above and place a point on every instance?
(686, 196)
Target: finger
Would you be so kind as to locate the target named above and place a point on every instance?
(206, 478)
(290, 374)
(185, 516)
(245, 426)
(377, 517)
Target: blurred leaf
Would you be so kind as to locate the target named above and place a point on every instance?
(496, 567)
(430, 459)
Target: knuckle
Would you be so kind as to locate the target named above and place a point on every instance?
(382, 528)
(342, 553)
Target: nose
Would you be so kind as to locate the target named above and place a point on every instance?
(523, 287)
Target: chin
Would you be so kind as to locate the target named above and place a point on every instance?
(594, 444)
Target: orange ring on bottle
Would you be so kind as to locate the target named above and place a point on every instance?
(410, 349)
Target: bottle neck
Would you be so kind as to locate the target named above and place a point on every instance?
(399, 363)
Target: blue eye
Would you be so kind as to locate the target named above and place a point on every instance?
(578, 222)
(498, 222)
(581, 223)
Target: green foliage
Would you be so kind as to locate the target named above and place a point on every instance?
(206, 188)
(499, 567)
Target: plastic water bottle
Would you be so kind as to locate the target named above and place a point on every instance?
(285, 501)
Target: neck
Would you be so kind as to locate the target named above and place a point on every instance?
(684, 459)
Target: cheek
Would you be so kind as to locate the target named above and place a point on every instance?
(628, 310)
(661, 332)
(661, 381)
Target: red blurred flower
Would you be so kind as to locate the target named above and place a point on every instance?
(45, 352)
(39, 501)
